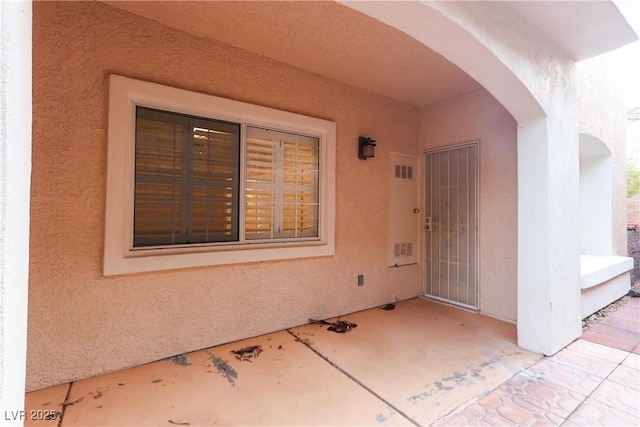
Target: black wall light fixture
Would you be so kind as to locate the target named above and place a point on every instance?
(366, 147)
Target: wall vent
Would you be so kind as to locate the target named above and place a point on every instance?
(404, 172)
(403, 249)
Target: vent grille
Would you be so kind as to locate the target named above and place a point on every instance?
(404, 172)
(403, 249)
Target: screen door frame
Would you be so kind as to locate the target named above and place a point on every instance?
(431, 273)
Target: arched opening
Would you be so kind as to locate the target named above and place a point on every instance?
(596, 171)
(604, 277)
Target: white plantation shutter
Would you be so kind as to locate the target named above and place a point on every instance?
(186, 179)
(260, 182)
(281, 192)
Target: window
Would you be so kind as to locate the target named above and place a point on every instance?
(186, 179)
(196, 180)
(281, 185)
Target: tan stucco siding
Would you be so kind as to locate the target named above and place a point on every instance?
(81, 323)
(478, 116)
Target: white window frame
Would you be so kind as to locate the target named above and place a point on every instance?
(119, 255)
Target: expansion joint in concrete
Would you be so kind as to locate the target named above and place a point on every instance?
(309, 345)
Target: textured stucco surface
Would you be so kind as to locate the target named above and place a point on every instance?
(478, 116)
(345, 45)
(602, 115)
(81, 323)
(548, 180)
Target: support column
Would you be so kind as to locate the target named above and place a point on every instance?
(15, 176)
(548, 234)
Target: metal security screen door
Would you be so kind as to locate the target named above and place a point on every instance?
(450, 225)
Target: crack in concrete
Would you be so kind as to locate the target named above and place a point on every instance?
(308, 344)
(65, 404)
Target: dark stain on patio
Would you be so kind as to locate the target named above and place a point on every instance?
(224, 368)
(181, 359)
(467, 377)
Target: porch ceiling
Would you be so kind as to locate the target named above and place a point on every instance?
(323, 37)
(335, 41)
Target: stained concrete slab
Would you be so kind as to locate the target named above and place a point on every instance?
(286, 384)
(424, 358)
(411, 365)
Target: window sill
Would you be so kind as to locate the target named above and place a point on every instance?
(141, 262)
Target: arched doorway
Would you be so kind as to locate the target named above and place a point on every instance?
(545, 109)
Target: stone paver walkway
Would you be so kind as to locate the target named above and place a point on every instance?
(595, 381)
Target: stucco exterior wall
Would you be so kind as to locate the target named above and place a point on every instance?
(602, 114)
(478, 116)
(15, 174)
(81, 323)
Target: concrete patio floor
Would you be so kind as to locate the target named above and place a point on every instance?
(422, 363)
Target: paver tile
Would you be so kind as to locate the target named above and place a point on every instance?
(598, 350)
(590, 364)
(615, 331)
(625, 322)
(581, 382)
(595, 413)
(499, 408)
(626, 376)
(528, 387)
(626, 344)
(624, 399)
(632, 361)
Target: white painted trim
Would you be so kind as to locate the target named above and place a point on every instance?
(120, 258)
(15, 184)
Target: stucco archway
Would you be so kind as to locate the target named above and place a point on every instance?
(547, 182)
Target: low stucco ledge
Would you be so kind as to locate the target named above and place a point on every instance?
(604, 279)
(597, 269)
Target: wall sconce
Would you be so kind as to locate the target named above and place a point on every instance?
(366, 148)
